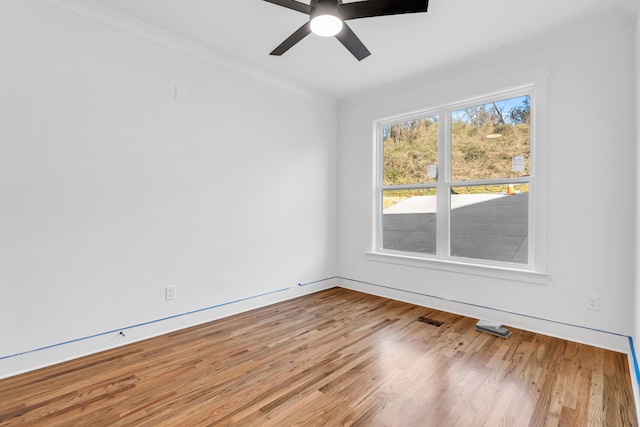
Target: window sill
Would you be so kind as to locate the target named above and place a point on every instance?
(498, 272)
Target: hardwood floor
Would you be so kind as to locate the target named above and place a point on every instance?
(337, 357)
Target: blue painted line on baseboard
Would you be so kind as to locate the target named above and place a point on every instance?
(483, 306)
(318, 281)
(142, 324)
(635, 360)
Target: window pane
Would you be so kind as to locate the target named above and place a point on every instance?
(491, 140)
(490, 222)
(409, 220)
(410, 152)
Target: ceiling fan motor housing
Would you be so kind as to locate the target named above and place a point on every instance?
(325, 7)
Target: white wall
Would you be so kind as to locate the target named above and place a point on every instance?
(589, 172)
(112, 189)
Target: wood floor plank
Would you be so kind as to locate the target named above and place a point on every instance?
(334, 358)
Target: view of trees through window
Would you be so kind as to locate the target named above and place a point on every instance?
(409, 148)
(486, 177)
(485, 139)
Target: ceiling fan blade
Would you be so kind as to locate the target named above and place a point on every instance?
(294, 38)
(349, 39)
(292, 4)
(371, 8)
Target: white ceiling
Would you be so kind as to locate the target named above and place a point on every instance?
(401, 45)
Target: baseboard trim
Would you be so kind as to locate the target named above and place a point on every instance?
(583, 334)
(53, 354)
(635, 379)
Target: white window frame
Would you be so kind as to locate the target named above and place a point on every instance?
(535, 270)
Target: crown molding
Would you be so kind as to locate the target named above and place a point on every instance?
(135, 27)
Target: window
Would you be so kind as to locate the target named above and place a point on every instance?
(455, 183)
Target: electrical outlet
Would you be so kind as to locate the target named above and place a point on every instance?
(170, 293)
(593, 302)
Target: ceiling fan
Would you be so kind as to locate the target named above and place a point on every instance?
(327, 18)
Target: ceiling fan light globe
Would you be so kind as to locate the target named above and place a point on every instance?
(326, 25)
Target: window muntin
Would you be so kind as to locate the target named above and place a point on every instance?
(470, 204)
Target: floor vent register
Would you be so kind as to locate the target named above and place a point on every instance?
(428, 321)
